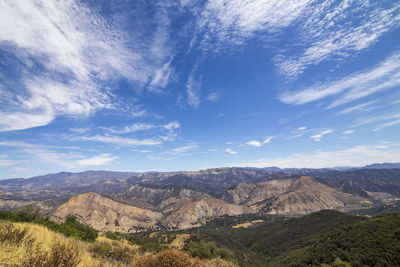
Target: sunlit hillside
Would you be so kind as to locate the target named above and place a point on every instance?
(29, 244)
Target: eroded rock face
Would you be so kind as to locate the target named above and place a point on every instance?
(187, 213)
(180, 208)
(291, 196)
(105, 214)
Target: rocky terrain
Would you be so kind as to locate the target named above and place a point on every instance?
(131, 202)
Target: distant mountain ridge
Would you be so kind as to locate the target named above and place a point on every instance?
(129, 202)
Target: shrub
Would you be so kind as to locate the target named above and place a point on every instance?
(25, 214)
(208, 250)
(168, 258)
(63, 254)
(114, 250)
(112, 235)
(12, 234)
(60, 254)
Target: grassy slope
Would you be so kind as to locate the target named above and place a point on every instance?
(30, 244)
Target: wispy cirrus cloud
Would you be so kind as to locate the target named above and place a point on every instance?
(348, 132)
(384, 76)
(385, 119)
(64, 52)
(193, 90)
(338, 29)
(67, 160)
(358, 108)
(185, 148)
(318, 137)
(387, 124)
(268, 140)
(118, 140)
(234, 22)
(4, 161)
(353, 156)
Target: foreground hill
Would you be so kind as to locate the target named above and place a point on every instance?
(30, 244)
(324, 238)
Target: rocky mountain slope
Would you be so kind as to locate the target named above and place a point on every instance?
(105, 214)
(129, 202)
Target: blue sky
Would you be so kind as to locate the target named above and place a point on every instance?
(186, 85)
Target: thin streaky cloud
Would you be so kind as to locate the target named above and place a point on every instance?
(118, 140)
(318, 137)
(387, 124)
(348, 132)
(325, 37)
(356, 155)
(384, 76)
(358, 108)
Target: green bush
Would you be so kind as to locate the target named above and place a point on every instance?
(113, 235)
(167, 258)
(208, 250)
(114, 250)
(70, 227)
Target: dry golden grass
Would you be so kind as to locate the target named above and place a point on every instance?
(27, 244)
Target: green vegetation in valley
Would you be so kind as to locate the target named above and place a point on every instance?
(372, 242)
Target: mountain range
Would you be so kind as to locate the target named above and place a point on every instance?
(132, 202)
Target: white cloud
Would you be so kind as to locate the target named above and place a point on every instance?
(361, 107)
(135, 127)
(79, 130)
(268, 140)
(317, 137)
(387, 124)
(254, 143)
(355, 86)
(228, 143)
(185, 148)
(10, 121)
(66, 52)
(339, 28)
(348, 132)
(377, 119)
(162, 77)
(66, 160)
(302, 128)
(96, 160)
(6, 162)
(230, 151)
(232, 22)
(16, 144)
(354, 156)
(118, 140)
(213, 97)
(173, 125)
(167, 132)
(193, 88)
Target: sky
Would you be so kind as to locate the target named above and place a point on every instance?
(187, 85)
